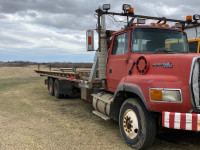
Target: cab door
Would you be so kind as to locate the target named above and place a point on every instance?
(117, 62)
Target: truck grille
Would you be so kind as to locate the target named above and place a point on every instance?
(199, 83)
(195, 83)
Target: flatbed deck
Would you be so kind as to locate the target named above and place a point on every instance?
(67, 74)
(79, 75)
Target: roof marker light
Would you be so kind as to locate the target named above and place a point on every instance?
(131, 10)
(189, 18)
(166, 25)
(153, 24)
(133, 24)
(159, 24)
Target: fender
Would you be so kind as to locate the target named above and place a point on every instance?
(116, 105)
(133, 89)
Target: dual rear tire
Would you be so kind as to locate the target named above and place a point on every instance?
(54, 88)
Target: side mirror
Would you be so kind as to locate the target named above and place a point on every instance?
(90, 40)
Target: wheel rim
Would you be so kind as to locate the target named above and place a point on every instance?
(130, 124)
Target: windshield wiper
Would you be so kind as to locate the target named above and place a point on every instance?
(163, 51)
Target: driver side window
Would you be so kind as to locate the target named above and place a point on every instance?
(120, 45)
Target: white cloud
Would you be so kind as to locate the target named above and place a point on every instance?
(57, 28)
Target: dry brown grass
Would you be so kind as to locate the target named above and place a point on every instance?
(32, 119)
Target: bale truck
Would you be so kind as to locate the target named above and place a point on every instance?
(137, 79)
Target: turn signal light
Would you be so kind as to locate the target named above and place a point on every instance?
(156, 95)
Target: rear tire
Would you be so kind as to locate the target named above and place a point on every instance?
(51, 86)
(137, 124)
(57, 89)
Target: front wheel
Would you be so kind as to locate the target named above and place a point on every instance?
(137, 124)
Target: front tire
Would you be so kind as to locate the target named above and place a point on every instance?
(137, 124)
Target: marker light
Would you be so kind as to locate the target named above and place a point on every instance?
(140, 21)
(90, 40)
(159, 24)
(126, 7)
(196, 17)
(189, 18)
(133, 24)
(131, 10)
(153, 24)
(106, 7)
(166, 25)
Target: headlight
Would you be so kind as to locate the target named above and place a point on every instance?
(167, 95)
(195, 82)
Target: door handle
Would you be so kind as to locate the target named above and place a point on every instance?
(127, 59)
(110, 71)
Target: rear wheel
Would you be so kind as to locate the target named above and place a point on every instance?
(51, 86)
(137, 124)
(57, 89)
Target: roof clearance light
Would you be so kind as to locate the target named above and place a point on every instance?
(189, 18)
(196, 17)
(153, 24)
(159, 24)
(140, 21)
(126, 7)
(133, 24)
(131, 10)
(106, 7)
(178, 25)
(166, 25)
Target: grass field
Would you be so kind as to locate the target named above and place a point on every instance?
(32, 119)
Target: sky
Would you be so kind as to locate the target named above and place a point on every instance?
(54, 30)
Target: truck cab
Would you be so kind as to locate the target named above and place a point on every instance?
(128, 46)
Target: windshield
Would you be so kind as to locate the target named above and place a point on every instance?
(155, 40)
(193, 46)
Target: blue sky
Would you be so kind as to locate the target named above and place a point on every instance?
(49, 31)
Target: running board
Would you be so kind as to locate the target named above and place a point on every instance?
(104, 117)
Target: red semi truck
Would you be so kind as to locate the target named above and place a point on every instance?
(142, 76)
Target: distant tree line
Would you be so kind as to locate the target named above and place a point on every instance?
(52, 64)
